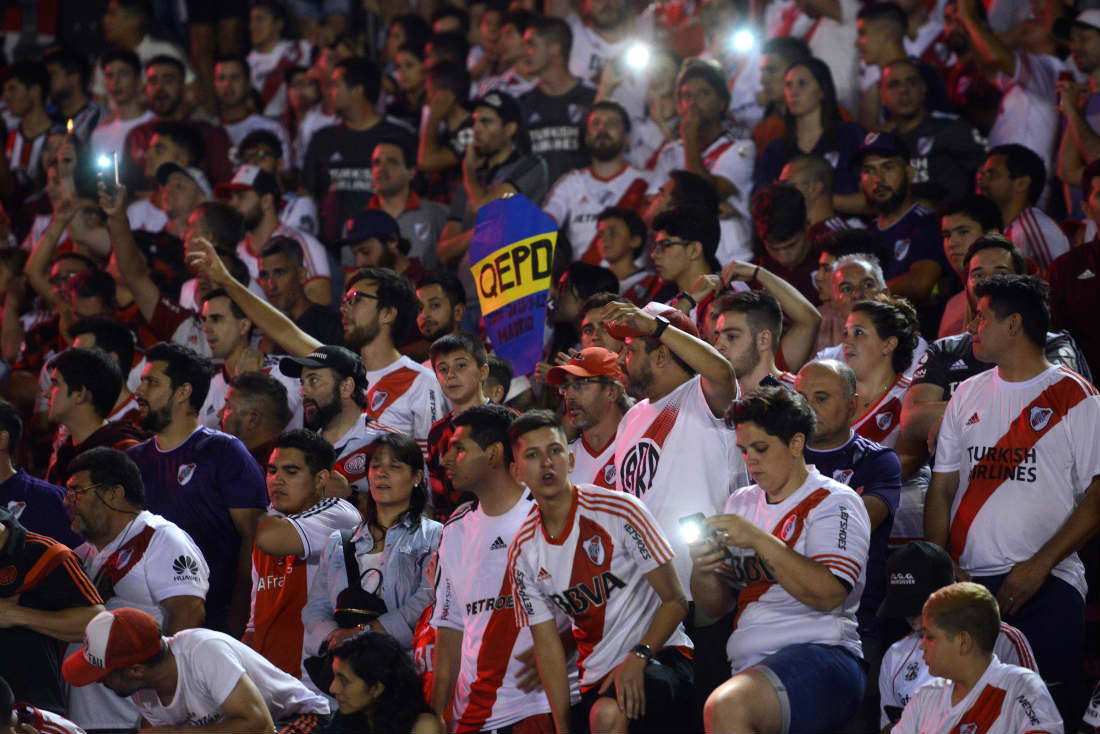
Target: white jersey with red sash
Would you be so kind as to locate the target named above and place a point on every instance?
(678, 458)
(579, 196)
(1025, 453)
(594, 571)
(269, 72)
(592, 466)
(823, 520)
(728, 156)
(1006, 698)
(881, 422)
(352, 450)
(406, 395)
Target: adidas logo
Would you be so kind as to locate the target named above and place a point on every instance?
(973, 419)
(1086, 275)
(336, 157)
(543, 574)
(497, 544)
(959, 365)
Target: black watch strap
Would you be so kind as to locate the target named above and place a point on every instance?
(662, 324)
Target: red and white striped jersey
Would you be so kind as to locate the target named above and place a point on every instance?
(1005, 698)
(823, 520)
(881, 422)
(23, 154)
(728, 156)
(592, 467)
(579, 196)
(473, 595)
(1025, 453)
(314, 258)
(595, 573)
(351, 450)
(903, 668)
(47, 722)
(1038, 236)
(406, 395)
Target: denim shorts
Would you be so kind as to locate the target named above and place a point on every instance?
(819, 686)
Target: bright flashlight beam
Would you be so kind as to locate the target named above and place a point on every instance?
(637, 56)
(743, 41)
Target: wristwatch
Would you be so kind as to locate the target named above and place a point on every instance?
(643, 651)
(662, 324)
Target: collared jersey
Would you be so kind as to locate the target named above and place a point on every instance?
(591, 466)
(1025, 453)
(579, 196)
(594, 572)
(1038, 236)
(352, 450)
(406, 395)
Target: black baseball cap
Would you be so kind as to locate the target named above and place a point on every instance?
(367, 224)
(887, 145)
(342, 361)
(913, 573)
(503, 104)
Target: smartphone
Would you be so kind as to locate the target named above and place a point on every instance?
(107, 171)
(691, 527)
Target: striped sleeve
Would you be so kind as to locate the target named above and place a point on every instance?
(650, 545)
(531, 606)
(1012, 647)
(839, 536)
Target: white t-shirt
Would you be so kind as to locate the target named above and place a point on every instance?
(209, 665)
(473, 595)
(903, 668)
(406, 395)
(1038, 236)
(237, 131)
(579, 196)
(591, 51)
(1027, 115)
(592, 467)
(219, 387)
(1025, 705)
(1025, 453)
(595, 573)
(151, 560)
(314, 257)
(679, 459)
(110, 136)
(823, 520)
(145, 216)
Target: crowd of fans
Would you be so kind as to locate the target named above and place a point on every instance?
(812, 445)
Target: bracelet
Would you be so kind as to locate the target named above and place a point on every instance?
(687, 297)
(643, 651)
(754, 274)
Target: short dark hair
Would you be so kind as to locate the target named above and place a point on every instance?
(12, 422)
(450, 45)
(417, 30)
(225, 223)
(362, 72)
(70, 63)
(31, 73)
(236, 59)
(852, 242)
(587, 279)
(183, 134)
(792, 49)
(692, 189)
(166, 60)
(977, 207)
(450, 11)
(1022, 294)
(124, 55)
(272, 8)
(694, 224)
(1023, 161)
(780, 411)
(221, 293)
(319, 453)
(554, 30)
(91, 370)
(709, 73)
(393, 292)
(458, 342)
(256, 138)
(265, 390)
(533, 420)
(404, 144)
(488, 425)
(885, 12)
(635, 225)
(184, 366)
(447, 75)
(893, 317)
(500, 372)
(611, 106)
(406, 451)
(110, 336)
(109, 467)
(992, 242)
(448, 282)
(778, 212)
(287, 246)
(761, 309)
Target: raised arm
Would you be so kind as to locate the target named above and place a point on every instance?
(131, 264)
(37, 268)
(800, 334)
(992, 50)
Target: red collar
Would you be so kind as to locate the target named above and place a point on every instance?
(411, 204)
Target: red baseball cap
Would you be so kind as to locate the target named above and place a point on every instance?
(590, 362)
(675, 317)
(112, 641)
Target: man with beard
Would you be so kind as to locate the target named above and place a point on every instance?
(578, 197)
(591, 384)
(69, 76)
(910, 231)
(969, 90)
(256, 412)
(203, 480)
(164, 89)
(442, 304)
(255, 194)
(283, 277)
(228, 334)
(333, 397)
(376, 242)
(393, 168)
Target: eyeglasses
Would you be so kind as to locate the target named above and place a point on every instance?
(352, 299)
(563, 389)
(255, 156)
(661, 245)
(78, 493)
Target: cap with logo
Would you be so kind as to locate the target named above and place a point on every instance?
(112, 641)
(590, 362)
(344, 362)
(249, 178)
(167, 169)
(674, 316)
(367, 224)
(887, 145)
(913, 573)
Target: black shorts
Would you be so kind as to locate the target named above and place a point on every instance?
(669, 678)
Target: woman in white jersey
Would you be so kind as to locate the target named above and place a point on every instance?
(789, 555)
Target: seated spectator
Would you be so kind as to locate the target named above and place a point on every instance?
(262, 149)
(292, 535)
(377, 688)
(121, 74)
(442, 302)
(907, 228)
(796, 591)
(963, 221)
(687, 188)
(421, 221)
(813, 177)
(915, 572)
(961, 623)
(375, 241)
(256, 412)
(271, 55)
(410, 96)
(776, 56)
(283, 277)
(447, 128)
(779, 218)
(1014, 176)
(70, 74)
(621, 236)
(235, 104)
(124, 650)
(510, 73)
(833, 247)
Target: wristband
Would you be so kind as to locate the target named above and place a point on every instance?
(662, 324)
(687, 297)
(754, 274)
(643, 651)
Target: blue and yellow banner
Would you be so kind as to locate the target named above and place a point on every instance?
(512, 252)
